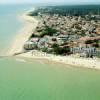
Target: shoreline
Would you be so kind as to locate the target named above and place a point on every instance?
(30, 25)
(67, 60)
(23, 35)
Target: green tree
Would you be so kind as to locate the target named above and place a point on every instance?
(48, 31)
(60, 50)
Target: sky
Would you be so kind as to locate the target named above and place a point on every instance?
(52, 1)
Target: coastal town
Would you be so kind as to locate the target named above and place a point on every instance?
(66, 35)
(49, 50)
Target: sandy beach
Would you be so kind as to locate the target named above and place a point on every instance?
(92, 63)
(23, 35)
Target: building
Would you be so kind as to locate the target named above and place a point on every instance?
(30, 45)
(84, 51)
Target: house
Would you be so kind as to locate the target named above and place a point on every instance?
(30, 45)
(98, 30)
(84, 51)
(43, 42)
(34, 39)
(62, 37)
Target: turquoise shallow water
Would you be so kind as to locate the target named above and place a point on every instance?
(38, 80)
(43, 81)
(10, 24)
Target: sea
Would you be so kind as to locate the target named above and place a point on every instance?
(34, 79)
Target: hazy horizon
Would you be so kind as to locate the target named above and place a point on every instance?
(60, 2)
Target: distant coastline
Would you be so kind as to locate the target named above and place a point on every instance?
(18, 43)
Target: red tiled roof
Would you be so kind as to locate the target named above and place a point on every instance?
(86, 38)
(98, 30)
